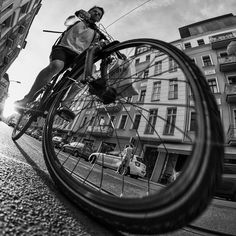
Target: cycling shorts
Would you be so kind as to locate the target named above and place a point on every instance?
(62, 54)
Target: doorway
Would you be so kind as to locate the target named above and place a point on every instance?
(150, 157)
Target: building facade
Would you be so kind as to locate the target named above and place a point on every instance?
(4, 84)
(16, 17)
(206, 43)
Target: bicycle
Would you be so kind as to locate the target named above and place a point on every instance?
(155, 124)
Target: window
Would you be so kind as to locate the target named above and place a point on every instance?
(213, 85)
(36, 2)
(187, 45)
(84, 121)
(6, 10)
(102, 121)
(193, 60)
(148, 58)
(172, 65)
(234, 114)
(7, 23)
(128, 99)
(91, 104)
(136, 121)
(24, 8)
(92, 120)
(200, 42)
(142, 95)
(173, 89)
(156, 91)
(223, 54)
(145, 74)
(150, 127)
(232, 79)
(137, 61)
(193, 121)
(170, 121)
(158, 67)
(206, 60)
(112, 121)
(123, 121)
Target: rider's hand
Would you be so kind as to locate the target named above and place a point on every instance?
(103, 43)
(83, 14)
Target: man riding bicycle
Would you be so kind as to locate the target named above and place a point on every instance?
(73, 41)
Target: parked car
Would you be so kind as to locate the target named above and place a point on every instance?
(58, 141)
(37, 134)
(227, 188)
(78, 149)
(113, 160)
(29, 131)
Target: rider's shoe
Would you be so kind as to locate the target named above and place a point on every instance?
(109, 96)
(65, 113)
(21, 104)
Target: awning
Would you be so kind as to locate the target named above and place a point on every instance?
(230, 152)
(176, 148)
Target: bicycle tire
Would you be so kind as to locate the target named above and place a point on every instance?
(27, 116)
(20, 128)
(178, 203)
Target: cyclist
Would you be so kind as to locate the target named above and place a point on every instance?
(73, 41)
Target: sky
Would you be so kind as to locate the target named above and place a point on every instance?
(158, 19)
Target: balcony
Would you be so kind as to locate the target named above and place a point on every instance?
(230, 92)
(101, 130)
(231, 135)
(227, 64)
(221, 40)
(111, 108)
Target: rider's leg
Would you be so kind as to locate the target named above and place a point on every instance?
(42, 79)
(45, 76)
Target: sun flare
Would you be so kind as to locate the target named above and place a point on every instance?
(9, 108)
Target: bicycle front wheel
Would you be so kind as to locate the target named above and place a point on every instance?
(164, 107)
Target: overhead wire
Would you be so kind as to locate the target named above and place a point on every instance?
(127, 13)
(104, 28)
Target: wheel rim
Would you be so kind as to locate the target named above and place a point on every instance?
(151, 195)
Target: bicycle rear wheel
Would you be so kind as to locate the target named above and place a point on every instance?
(165, 108)
(27, 116)
(23, 123)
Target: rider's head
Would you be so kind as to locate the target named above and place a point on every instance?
(96, 13)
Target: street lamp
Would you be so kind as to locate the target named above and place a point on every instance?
(16, 81)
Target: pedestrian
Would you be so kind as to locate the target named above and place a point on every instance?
(126, 158)
(73, 41)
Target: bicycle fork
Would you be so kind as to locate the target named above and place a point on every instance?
(98, 86)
